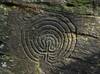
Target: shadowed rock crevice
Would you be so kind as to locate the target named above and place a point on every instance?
(1, 48)
(87, 35)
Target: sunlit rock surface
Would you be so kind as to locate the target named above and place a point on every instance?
(49, 37)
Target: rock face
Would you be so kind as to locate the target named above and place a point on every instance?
(49, 37)
(43, 1)
(54, 1)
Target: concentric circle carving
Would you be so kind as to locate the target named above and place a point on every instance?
(50, 38)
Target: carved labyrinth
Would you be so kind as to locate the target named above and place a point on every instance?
(50, 38)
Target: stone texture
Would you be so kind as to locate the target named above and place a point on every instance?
(86, 54)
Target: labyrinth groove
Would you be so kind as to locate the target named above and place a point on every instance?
(49, 37)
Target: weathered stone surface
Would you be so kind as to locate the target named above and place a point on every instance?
(77, 31)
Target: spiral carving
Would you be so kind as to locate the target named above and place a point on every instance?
(49, 38)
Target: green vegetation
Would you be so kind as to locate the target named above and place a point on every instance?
(73, 6)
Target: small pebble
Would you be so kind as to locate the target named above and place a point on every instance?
(1, 46)
(4, 64)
